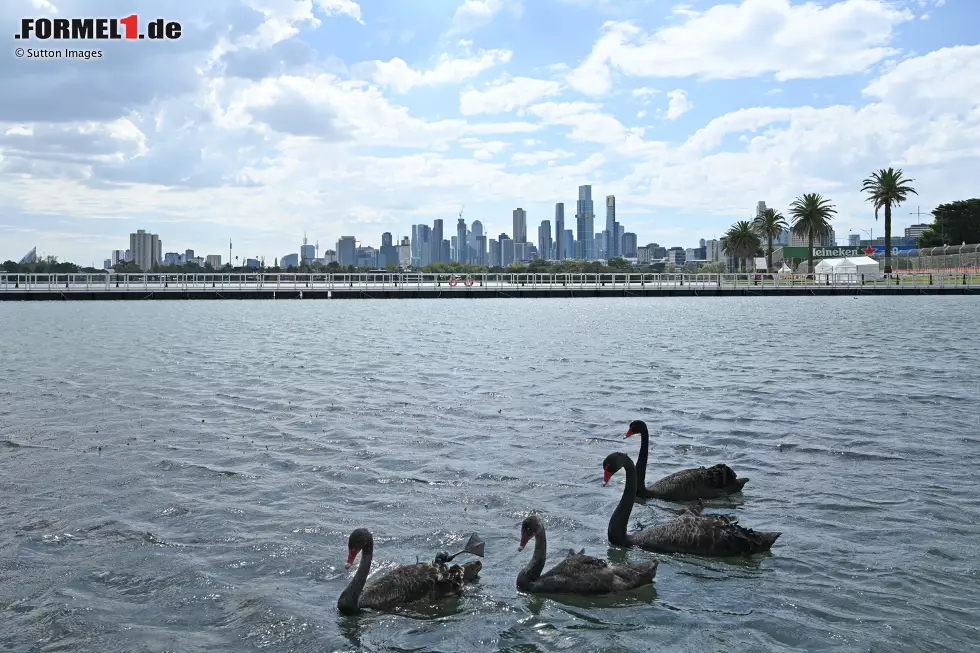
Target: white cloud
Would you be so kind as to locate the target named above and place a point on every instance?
(539, 157)
(515, 93)
(398, 76)
(473, 14)
(678, 105)
(753, 38)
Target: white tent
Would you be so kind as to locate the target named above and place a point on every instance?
(847, 270)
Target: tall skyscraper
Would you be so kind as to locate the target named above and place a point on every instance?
(506, 250)
(585, 219)
(612, 228)
(307, 252)
(629, 245)
(447, 251)
(347, 250)
(437, 240)
(520, 225)
(494, 253)
(425, 244)
(481, 249)
(461, 247)
(760, 208)
(544, 239)
(560, 231)
(145, 249)
(568, 240)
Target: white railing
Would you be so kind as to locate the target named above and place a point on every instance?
(161, 282)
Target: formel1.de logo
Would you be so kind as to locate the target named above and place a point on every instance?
(97, 29)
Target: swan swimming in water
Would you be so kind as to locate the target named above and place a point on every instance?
(577, 573)
(690, 532)
(428, 581)
(686, 485)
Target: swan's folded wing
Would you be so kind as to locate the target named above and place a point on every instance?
(410, 583)
(699, 535)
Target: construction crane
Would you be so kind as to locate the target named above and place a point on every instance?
(461, 206)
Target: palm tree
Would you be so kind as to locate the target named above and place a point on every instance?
(741, 241)
(812, 213)
(769, 224)
(887, 188)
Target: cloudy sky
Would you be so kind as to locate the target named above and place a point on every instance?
(271, 117)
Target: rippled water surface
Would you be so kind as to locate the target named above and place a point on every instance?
(183, 476)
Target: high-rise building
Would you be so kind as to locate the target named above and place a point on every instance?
(481, 250)
(424, 232)
(506, 250)
(584, 218)
(437, 241)
(447, 251)
(854, 240)
(388, 254)
(568, 243)
(347, 250)
(307, 252)
(544, 239)
(405, 252)
(629, 245)
(760, 208)
(461, 247)
(560, 231)
(916, 230)
(520, 225)
(620, 232)
(612, 228)
(494, 253)
(146, 249)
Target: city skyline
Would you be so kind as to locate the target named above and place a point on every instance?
(345, 118)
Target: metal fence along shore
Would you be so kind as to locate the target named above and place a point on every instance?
(408, 285)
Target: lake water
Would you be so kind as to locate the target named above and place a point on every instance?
(183, 476)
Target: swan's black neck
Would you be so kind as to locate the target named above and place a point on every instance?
(616, 532)
(532, 571)
(641, 460)
(349, 600)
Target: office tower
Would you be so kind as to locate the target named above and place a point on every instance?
(544, 239)
(760, 208)
(347, 250)
(629, 245)
(437, 240)
(506, 250)
(416, 245)
(447, 251)
(612, 228)
(481, 250)
(520, 225)
(461, 248)
(307, 252)
(560, 231)
(146, 249)
(620, 231)
(584, 218)
(425, 245)
(568, 243)
(405, 253)
(494, 253)
(388, 254)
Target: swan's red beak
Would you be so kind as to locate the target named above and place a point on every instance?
(523, 543)
(629, 433)
(606, 475)
(350, 558)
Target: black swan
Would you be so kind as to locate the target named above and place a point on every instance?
(690, 532)
(577, 573)
(406, 584)
(686, 485)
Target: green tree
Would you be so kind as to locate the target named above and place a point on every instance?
(887, 188)
(954, 223)
(769, 224)
(741, 241)
(812, 213)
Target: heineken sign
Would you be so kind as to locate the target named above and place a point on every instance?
(843, 252)
(823, 252)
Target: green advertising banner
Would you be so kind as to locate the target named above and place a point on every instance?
(823, 252)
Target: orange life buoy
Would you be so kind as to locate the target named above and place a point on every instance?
(453, 282)
(468, 282)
